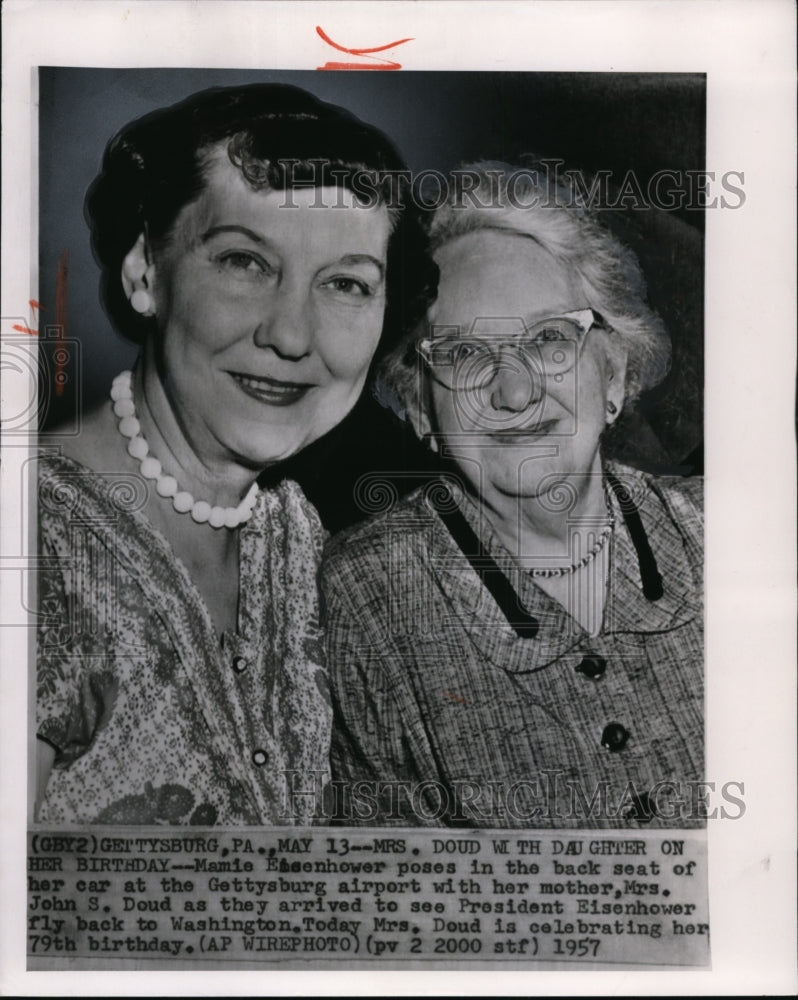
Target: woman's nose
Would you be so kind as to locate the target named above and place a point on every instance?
(287, 324)
(515, 387)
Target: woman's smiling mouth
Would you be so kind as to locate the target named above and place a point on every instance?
(271, 390)
(519, 434)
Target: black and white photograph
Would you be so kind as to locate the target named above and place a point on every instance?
(361, 559)
(488, 559)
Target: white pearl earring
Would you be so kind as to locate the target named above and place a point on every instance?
(141, 301)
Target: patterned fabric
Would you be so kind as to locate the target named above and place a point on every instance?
(446, 716)
(155, 717)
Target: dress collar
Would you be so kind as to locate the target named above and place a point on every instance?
(627, 610)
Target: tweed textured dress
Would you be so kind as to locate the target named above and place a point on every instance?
(154, 716)
(447, 716)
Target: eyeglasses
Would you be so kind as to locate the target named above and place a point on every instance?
(547, 350)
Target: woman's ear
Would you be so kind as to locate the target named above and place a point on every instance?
(614, 380)
(138, 274)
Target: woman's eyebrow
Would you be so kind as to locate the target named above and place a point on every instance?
(215, 230)
(350, 258)
(535, 319)
(361, 258)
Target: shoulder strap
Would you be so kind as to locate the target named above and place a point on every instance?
(497, 584)
(649, 571)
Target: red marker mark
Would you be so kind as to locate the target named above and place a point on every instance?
(454, 697)
(374, 64)
(26, 329)
(61, 303)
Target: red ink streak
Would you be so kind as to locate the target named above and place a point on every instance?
(337, 65)
(454, 697)
(382, 64)
(61, 303)
(26, 329)
(360, 52)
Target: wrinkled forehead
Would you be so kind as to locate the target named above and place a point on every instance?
(228, 199)
(501, 274)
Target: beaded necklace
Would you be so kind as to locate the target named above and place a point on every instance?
(166, 486)
(598, 545)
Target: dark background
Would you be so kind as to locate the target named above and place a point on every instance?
(642, 122)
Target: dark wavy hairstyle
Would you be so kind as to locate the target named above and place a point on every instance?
(280, 137)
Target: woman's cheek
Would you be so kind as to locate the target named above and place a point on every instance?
(447, 416)
(349, 354)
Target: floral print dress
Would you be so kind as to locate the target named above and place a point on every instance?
(155, 718)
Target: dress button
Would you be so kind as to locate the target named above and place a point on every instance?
(592, 666)
(259, 757)
(615, 737)
(239, 664)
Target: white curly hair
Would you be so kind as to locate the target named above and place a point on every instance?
(529, 202)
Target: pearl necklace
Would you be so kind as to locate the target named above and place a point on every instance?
(182, 501)
(598, 545)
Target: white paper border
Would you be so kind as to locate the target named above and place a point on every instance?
(748, 51)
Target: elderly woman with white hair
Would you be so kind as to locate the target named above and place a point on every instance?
(519, 643)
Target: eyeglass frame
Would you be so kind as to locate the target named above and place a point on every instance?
(585, 319)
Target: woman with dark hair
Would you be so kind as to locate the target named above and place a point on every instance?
(519, 644)
(249, 239)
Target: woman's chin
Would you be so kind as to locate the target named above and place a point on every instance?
(262, 453)
(522, 484)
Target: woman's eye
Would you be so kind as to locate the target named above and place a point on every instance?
(242, 262)
(349, 286)
(549, 333)
(556, 329)
(468, 351)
